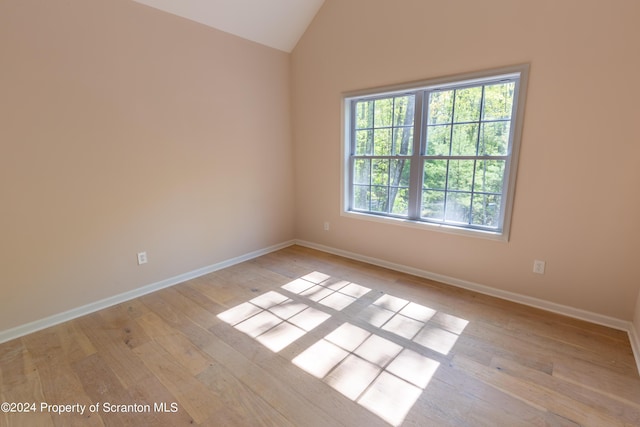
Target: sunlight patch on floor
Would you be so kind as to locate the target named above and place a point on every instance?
(321, 288)
(380, 375)
(320, 358)
(423, 325)
(352, 376)
(274, 320)
(280, 336)
(378, 372)
(390, 398)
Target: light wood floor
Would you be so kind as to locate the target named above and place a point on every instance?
(303, 338)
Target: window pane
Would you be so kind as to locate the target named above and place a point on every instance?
(364, 143)
(399, 200)
(498, 101)
(364, 114)
(465, 138)
(403, 141)
(383, 112)
(494, 138)
(489, 176)
(486, 210)
(382, 142)
(380, 199)
(400, 173)
(438, 140)
(404, 110)
(362, 171)
(458, 207)
(361, 197)
(435, 174)
(440, 107)
(467, 104)
(433, 204)
(460, 175)
(380, 172)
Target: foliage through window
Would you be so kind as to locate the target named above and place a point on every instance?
(439, 153)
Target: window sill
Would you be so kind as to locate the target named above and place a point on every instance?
(440, 228)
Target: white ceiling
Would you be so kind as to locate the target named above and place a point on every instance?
(274, 23)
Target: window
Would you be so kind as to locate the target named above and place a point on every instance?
(438, 153)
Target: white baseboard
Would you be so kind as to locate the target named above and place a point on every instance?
(565, 310)
(635, 344)
(37, 325)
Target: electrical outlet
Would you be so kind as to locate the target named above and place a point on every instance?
(142, 258)
(326, 226)
(538, 267)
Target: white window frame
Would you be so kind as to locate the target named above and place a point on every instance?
(518, 73)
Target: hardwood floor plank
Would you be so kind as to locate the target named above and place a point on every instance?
(622, 409)
(193, 396)
(297, 409)
(150, 390)
(123, 326)
(296, 379)
(582, 338)
(204, 316)
(115, 348)
(537, 395)
(75, 343)
(243, 405)
(531, 345)
(473, 396)
(102, 386)
(625, 388)
(60, 384)
(285, 262)
(20, 383)
(175, 343)
(197, 334)
(476, 405)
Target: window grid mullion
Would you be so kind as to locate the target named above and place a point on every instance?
(415, 176)
(446, 179)
(352, 157)
(392, 148)
(466, 157)
(423, 147)
(373, 150)
(475, 162)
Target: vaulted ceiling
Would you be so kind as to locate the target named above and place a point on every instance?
(274, 23)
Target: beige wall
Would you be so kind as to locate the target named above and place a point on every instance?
(125, 129)
(577, 204)
(636, 319)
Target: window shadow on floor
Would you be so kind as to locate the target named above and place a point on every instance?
(383, 376)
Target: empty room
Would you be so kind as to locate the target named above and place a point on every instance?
(319, 213)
